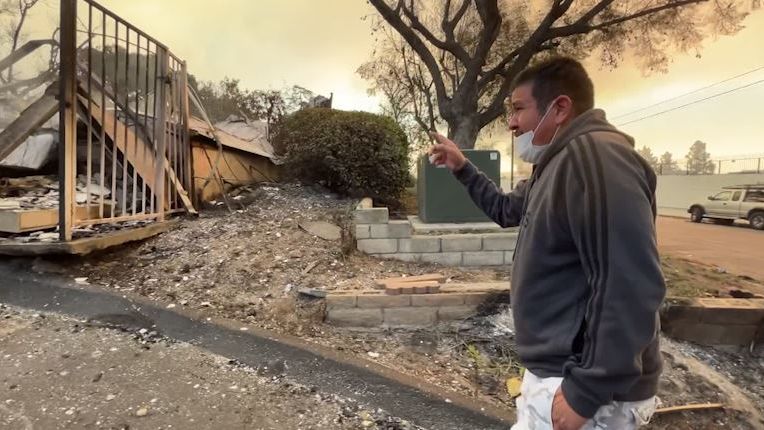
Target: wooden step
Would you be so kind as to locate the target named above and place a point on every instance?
(27, 220)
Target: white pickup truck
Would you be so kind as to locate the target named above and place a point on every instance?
(734, 202)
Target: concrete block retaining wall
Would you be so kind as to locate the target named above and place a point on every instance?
(373, 308)
(711, 321)
(381, 237)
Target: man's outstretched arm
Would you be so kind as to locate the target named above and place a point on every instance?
(503, 209)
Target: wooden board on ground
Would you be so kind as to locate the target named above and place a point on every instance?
(437, 277)
(86, 245)
(698, 407)
(26, 220)
(475, 287)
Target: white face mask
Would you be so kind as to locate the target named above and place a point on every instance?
(529, 152)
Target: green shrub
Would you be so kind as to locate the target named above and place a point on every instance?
(352, 153)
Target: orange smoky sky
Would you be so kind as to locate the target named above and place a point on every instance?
(320, 44)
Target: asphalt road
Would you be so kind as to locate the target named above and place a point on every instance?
(739, 249)
(304, 363)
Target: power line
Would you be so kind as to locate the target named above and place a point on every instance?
(687, 94)
(692, 103)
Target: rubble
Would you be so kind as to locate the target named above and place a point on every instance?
(258, 266)
(31, 192)
(34, 153)
(241, 261)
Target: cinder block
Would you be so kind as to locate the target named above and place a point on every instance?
(442, 258)
(403, 256)
(714, 311)
(334, 301)
(421, 289)
(680, 310)
(393, 291)
(461, 242)
(362, 231)
(450, 313)
(484, 258)
(712, 334)
(731, 311)
(383, 301)
(437, 300)
(393, 229)
(499, 241)
(418, 244)
(475, 298)
(437, 277)
(509, 257)
(371, 216)
(355, 317)
(409, 317)
(378, 246)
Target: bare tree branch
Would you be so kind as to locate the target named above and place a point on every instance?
(23, 9)
(449, 24)
(520, 61)
(488, 11)
(394, 19)
(583, 25)
(449, 45)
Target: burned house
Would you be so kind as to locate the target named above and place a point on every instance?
(99, 152)
(228, 154)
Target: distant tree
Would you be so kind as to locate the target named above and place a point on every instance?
(667, 164)
(14, 19)
(12, 31)
(227, 97)
(698, 160)
(648, 155)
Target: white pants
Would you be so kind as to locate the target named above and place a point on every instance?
(534, 408)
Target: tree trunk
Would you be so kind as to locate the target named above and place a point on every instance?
(464, 132)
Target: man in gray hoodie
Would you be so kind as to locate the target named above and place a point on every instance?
(586, 276)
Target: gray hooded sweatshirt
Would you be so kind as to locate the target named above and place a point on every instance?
(586, 277)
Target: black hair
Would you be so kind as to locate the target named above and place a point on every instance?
(558, 76)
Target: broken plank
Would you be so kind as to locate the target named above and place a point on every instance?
(180, 189)
(31, 119)
(23, 51)
(694, 407)
(418, 278)
(476, 287)
(309, 267)
(86, 245)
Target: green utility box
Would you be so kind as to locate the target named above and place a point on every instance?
(443, 199)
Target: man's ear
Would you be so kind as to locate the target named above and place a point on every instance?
(563, 110)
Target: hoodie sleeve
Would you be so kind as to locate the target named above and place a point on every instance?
(503, 209)
(611, 217)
